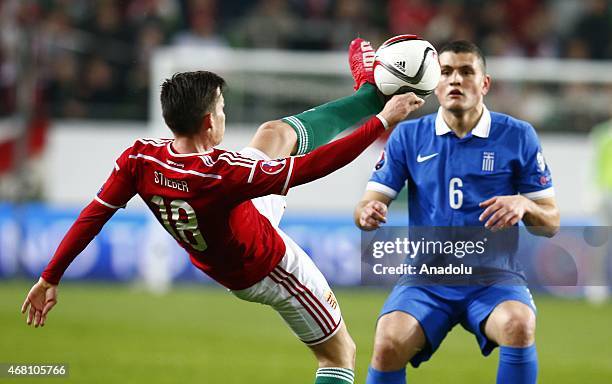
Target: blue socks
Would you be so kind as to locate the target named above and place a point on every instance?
(517, 365)
(379, 377)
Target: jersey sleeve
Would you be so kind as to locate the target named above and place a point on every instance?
(533, 179)
(119, 188)
(81, 233)
(245, 178)
(391, 171)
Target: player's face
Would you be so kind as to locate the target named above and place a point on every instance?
(217, 118)
(463, 82)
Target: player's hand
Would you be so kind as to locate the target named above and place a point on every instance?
(503, 211)
(372, 215)
(400, 106)
(41, 298)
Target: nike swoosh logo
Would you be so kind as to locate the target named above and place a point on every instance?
(421, 159)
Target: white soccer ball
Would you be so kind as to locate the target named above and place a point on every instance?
(406, 63)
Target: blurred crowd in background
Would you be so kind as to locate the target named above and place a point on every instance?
(93, 56)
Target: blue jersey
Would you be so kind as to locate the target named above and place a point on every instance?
(448, 176)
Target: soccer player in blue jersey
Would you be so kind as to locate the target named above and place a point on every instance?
(464, 166)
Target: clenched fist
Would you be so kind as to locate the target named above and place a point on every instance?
(371, 214)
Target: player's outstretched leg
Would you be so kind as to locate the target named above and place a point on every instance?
(336, 358)
(298, 291)
(398, 338)
(301, 133)
(512, 326)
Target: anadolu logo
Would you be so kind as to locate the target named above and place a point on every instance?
(272, 167)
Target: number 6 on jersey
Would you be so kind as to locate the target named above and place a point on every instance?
(183, 226)
(455, 195)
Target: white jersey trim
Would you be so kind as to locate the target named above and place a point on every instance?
(284, 191)
(378, 187)
(384, 121)
(208, 161)
(156, 142)
(239, 156)
(186, 171)
(172, 153)
(104, 203)
(233, 160)
(252, 173)
(543, 194)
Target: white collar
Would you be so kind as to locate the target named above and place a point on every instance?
(174, 154)
(482, 128)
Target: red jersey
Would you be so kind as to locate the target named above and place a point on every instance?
(204, 201)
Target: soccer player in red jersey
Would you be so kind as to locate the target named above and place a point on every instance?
(224, 207)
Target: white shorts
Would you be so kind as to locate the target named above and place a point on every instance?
(298, 291)
(296, 288)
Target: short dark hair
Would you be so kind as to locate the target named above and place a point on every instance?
(187, 97)
(464, 46)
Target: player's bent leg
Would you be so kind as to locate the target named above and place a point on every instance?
(301, 133)
(338, 351)
(336, 358)
(275, 138)
(321, 124)
(313, 313)
(412, 325)
(511, 323)
(399, 337)
(298, 291)
(512, 326)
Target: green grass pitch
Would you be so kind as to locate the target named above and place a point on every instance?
(197, 334)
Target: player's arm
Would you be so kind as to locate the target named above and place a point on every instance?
(339, 153)
(43, 295)
(541, 216)
(116, 192)
(371, 211)
(388, 178)
(276, 177)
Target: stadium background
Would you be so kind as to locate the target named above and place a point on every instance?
(79, 82)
